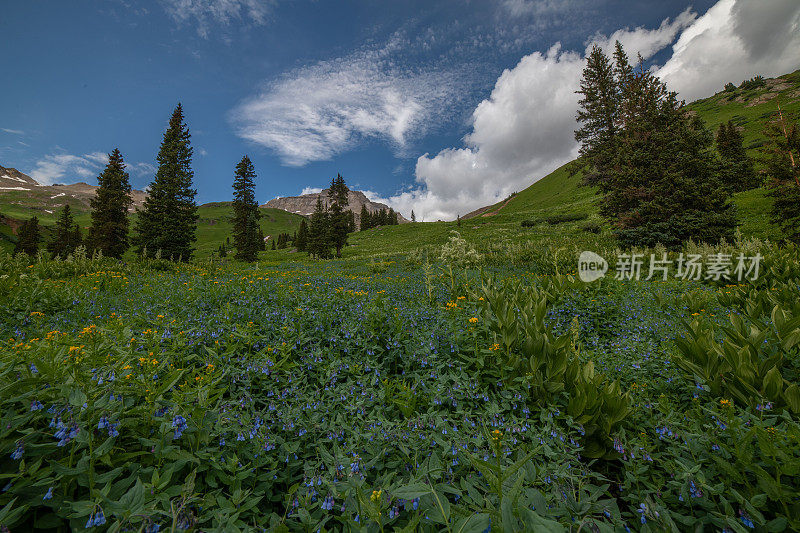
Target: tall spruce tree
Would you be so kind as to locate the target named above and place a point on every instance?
(67, 234)
(598, 114)
(168, 220)
(365, 221)
(653, 164)
(245, 212)
(737, 171)
(109, 228)
(77, 237)
(319, 232)
(28, 237)
(302, 236)
(339, 220)
(783, 169)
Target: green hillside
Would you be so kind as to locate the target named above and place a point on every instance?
(214, 225)
(748, 109)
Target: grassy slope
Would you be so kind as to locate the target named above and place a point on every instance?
(214, 225)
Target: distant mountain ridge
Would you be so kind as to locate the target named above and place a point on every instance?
(17, 188)
(306, 203)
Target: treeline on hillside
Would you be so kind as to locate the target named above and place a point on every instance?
(381, 217)
(662, 176)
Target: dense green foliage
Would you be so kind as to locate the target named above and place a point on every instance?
(245, 213)
(167, 224)
(347, 395)
(339, 218)
(319, 232)
(301, 242)
(108, 232)
(327, 232)
(737, 171)
(67, 235)
(381, 217)
(654, 167)
(783, 169)
(28, 237)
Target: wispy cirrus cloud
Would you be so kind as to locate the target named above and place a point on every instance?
(205, 13)
(13, 132)
(62, 167)
(315, 112)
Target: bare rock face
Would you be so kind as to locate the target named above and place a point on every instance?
(21, 189)
(305, 204)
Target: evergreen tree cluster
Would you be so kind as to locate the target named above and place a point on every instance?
(283, 241)
(67, 236)
(167, 223)
(737, 172)
(654, 165)
(326, 233)
(381, 217)
(301, 237)
(753, 83)
(28, 237)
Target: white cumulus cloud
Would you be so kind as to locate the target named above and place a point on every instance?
(315, 112)
(734, 40)
(310, 190)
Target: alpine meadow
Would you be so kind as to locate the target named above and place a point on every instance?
(519, 266)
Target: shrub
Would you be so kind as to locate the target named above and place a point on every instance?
(592, 227)
(753, 83)
(565, 217)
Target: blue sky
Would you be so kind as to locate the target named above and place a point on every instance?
(436, 106)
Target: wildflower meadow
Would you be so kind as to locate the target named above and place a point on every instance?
(396, 394)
